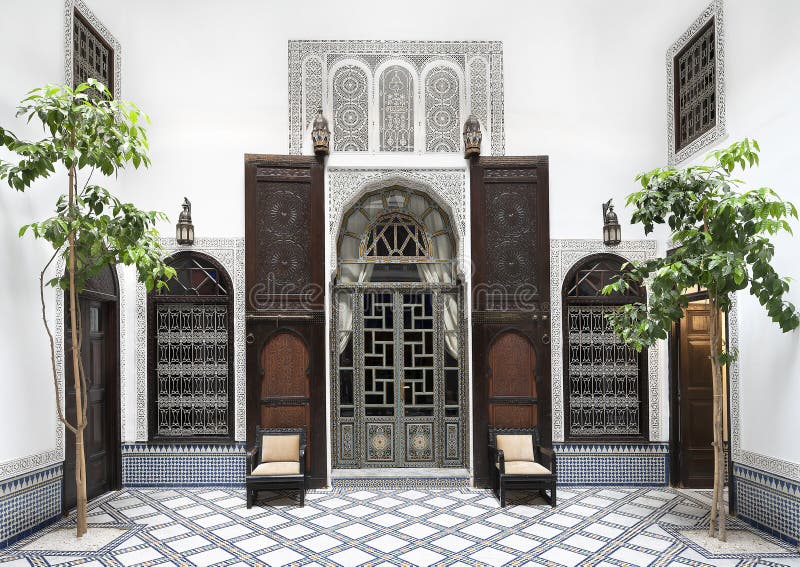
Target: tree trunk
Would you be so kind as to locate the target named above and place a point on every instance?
(718, 500)
(80, 422)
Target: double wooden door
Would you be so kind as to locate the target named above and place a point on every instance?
(99, 356)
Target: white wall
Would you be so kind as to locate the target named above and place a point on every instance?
(584, 83)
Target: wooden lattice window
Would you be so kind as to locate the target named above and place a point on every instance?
(395, 235)
(92, 56)
(605, 380)
(695, 84)
(190, 354)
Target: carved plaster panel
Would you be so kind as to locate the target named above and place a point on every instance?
(719, 131)
(447, 186)
(313, 65)
(230, 253)
(69, 13)
(564, 254)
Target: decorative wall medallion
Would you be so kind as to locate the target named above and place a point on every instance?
(345, 78)
(286, 215)
(419, 441)
(380, 442)
(509, 221)
(229, 252)
(69, 22)
(563, 255)
(713, 79)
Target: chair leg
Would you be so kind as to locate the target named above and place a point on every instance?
(502, 495)
(250, 497)
(302, 495)
(553, 495)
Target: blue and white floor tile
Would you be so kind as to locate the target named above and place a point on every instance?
(603, 527)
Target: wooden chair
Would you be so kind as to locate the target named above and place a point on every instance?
(278, 461)
(519, 462)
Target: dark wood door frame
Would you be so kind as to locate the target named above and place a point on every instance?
(113, 390)
(674, 408)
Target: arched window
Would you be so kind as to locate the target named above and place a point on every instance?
(605, 380)
(191, 352)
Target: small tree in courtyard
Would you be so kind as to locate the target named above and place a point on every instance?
(85, 130)
(722, 237)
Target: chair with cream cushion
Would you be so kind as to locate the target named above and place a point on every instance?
(277, 461)
(519, 462)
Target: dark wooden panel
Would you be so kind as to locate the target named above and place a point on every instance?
(511, 299)
(285, 273)
(696, 403)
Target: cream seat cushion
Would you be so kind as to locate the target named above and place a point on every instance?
(516, 447)
(280, 448)
(277, 468)
(524, 467)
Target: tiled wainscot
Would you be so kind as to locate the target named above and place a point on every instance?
(28, 502)
(621, 465)
(768, 501)
(183, 465)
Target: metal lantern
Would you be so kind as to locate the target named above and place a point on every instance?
(612, 232)
(184, 230)
(321, 135)
(472, 137)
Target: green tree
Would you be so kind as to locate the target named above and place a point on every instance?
(85, 130)
(722, 237)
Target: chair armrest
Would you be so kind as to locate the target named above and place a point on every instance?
(252, 458)
(547, 458)
(501, 460)
(303, 460)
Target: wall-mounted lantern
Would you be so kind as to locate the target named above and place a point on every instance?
(472, 137)
(321, 135)
(184, 230)
(612, 232)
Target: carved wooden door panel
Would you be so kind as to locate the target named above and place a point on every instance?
(510, 298)
(284, 272)
(512, 382)
(695, 399)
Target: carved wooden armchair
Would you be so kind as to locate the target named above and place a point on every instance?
(517, 461)
(278, 461)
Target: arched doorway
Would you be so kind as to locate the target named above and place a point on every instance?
(99, 349)
(398, 387)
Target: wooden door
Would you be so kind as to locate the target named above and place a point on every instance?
(510, 299)
(285, 302)
(285, 385)
(98, 355)
(695, 402)
(512, 382)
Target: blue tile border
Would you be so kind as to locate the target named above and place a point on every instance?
(145, 464)
(612, 464)
(29, 502)
(768, 502)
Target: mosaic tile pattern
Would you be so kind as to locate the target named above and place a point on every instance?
(592, 526)
(29, 501)
(632, 465)
(769, 502)
(183, 465)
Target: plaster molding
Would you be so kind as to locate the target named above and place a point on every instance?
(564, 254)
(311, 64)
(69, 13)
(229, 252)
(719, 131)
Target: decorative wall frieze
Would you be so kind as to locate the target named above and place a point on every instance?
(446, 186)
(719, 131)
(230, 253)
(328, 74)
(564, 254)
(69, 14)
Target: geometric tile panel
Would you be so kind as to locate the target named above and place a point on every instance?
(29, 501)
(628, 465)
(768, 502)
(183, 465)
(212, 526)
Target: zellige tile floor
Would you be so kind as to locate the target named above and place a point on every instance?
(347, 527)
